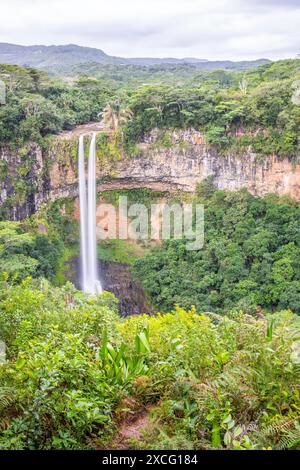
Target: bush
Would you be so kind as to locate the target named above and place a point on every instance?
(26, 253)
(73, 366)
(221, 382)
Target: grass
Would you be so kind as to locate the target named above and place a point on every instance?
(121, 251)
(118, 251)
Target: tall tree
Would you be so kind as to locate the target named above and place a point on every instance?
(113, 115)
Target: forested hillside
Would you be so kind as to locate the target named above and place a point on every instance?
(234, 110)
(250, 258)
(71, 59)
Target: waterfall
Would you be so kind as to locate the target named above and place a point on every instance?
(87, 197)
(83, 213)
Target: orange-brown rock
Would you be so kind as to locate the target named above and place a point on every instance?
(180, 165)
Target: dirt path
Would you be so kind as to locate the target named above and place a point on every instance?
(132, 429)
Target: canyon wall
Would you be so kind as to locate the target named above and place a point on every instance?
(189, 160)
(178, 165)
(23, 181)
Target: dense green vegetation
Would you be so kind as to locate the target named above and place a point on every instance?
(38, 106)
(235, 110)
(74, 371)
(250, 257)
(39, 246)
(25, 252)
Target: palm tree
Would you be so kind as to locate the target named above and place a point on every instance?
(243, 85)
(114, 115)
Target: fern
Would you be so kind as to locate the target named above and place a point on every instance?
(7, 398)
(284, 433)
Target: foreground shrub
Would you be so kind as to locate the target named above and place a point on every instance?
(223, 383)
(62, 389)
(30, 309)
(212, 381)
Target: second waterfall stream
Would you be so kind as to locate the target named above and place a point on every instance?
(90, 282)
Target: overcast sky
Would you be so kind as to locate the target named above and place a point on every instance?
(209, 29)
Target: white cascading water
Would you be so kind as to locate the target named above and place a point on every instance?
(83, 212)
(87, 196)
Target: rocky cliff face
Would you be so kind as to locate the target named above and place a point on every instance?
(188, 160)
(179, 164)
(23, 181)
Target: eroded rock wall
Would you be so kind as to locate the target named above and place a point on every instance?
(179, 164)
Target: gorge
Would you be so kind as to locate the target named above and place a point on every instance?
(181, 166)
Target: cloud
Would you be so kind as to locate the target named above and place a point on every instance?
(274, 3)
(219, 29)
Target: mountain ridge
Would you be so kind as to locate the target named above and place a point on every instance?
(54, 57)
